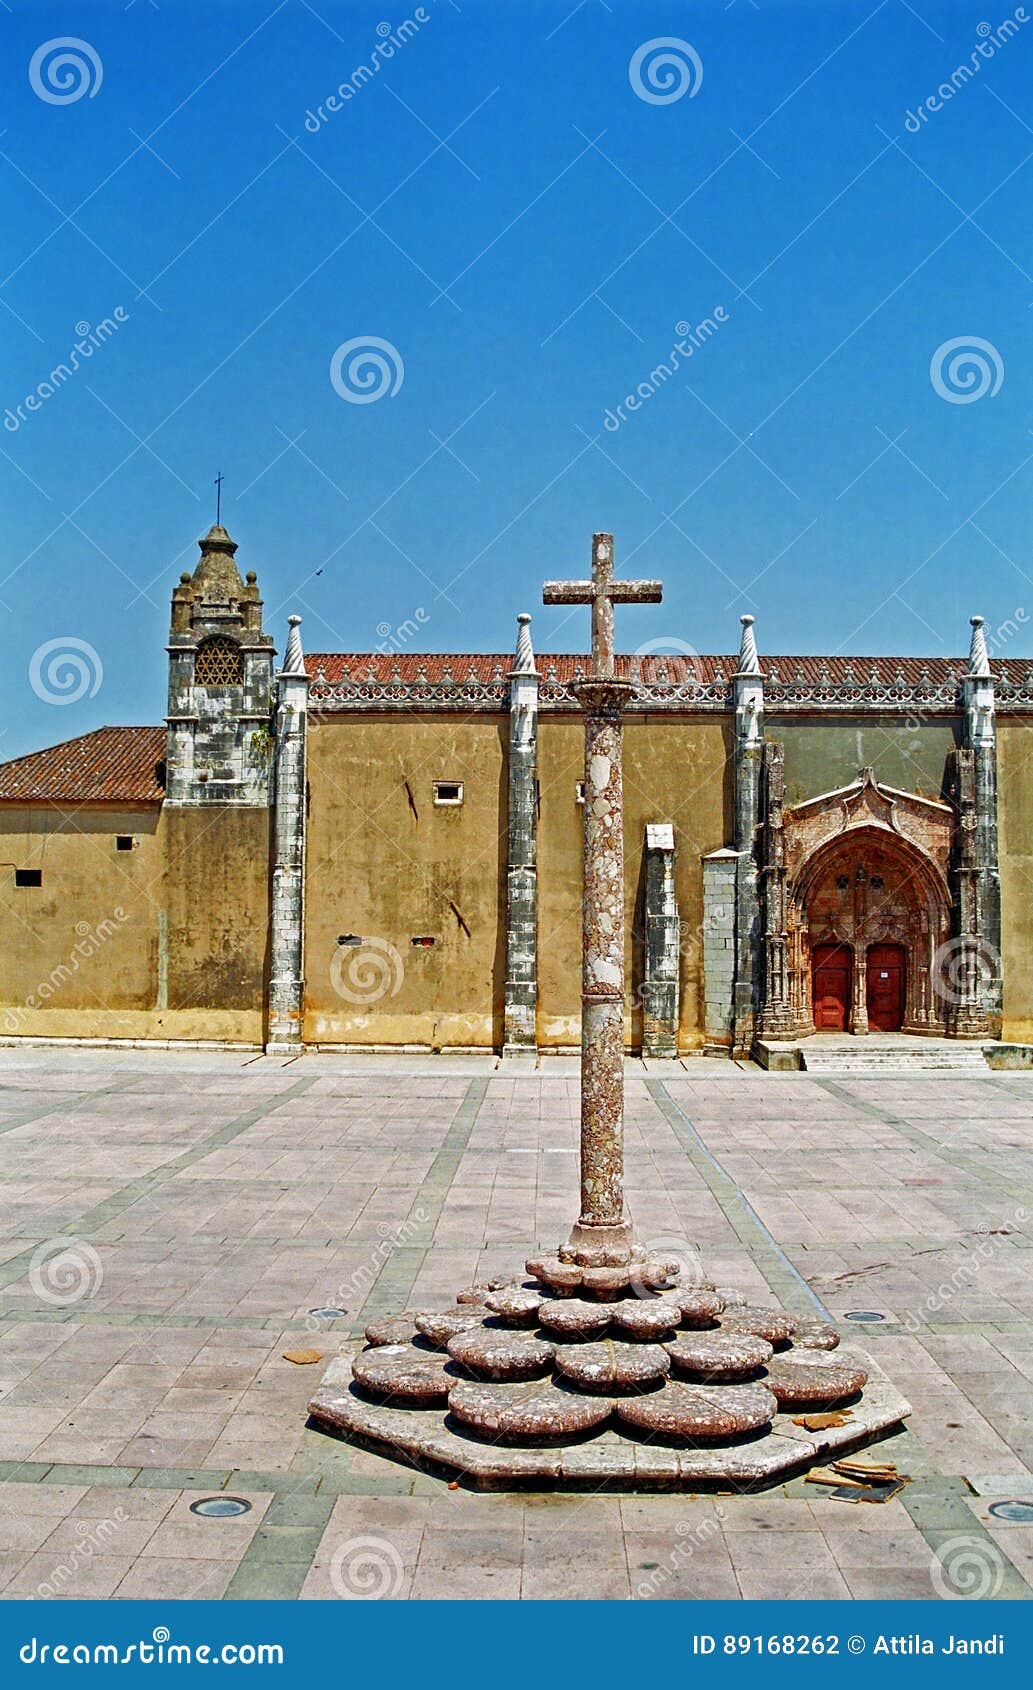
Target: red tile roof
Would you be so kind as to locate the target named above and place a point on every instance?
(108, 766)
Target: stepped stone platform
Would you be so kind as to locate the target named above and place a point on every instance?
(633, 1383)
(883, 1053)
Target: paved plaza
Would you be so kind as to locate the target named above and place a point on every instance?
(170, 1219)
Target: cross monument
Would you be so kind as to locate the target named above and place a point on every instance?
(602, 1235)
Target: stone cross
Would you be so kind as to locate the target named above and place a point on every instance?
(602, 1236)
(602, 592)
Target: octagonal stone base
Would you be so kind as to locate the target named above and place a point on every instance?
(614, 1458)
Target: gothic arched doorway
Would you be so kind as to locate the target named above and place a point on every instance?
(868, 911)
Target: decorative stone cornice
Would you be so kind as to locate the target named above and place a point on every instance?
(791, 685)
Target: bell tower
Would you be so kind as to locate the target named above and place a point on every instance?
(220, 684)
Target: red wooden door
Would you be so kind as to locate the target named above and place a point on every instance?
(886, 988)
(831, 967)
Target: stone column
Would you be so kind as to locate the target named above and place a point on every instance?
(286, 977)
(983, 1015)
(777, 1018)
(858, 1020)
(967, 968)
(521, 1003)
(662, 945)
(602, 1233)
(748, 695)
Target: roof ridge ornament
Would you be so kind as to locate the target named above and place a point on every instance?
(749, 662)
(294, 657)
(978, 656)
(523, 663)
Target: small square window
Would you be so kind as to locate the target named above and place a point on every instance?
(124, 842)
(579, 792)
(448, 792)
(28, 877)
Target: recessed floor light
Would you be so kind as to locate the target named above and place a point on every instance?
(864, 1317)
(220, 1507)
(328, 1313)
(1020, 1512)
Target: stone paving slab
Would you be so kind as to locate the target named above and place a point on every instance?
(170, 1219)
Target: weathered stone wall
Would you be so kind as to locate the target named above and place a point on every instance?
(386, 865)
(675, 769)
(1015, 815)
(216, 893)
(166, 941)
(826, 752)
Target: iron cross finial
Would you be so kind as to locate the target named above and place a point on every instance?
(602, 592)
(218, 498)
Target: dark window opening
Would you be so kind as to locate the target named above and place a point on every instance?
(219, 663)
(123, 842)
(28, 877)
(349, 939)
(448, 792)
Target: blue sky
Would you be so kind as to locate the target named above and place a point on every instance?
(503, 208)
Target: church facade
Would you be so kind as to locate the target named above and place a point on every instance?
(384, 851)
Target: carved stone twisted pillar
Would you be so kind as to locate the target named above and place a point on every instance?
(777, 1020)
(521, 992)
(287, 911)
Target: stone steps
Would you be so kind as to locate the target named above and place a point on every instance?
(962, 1059)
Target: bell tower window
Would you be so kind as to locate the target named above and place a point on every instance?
(219, 663)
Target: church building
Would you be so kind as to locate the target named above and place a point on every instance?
(374, 851)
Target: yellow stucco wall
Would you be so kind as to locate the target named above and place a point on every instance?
(166, 941)
(1015, 846)
(675, 770)
(385, 865)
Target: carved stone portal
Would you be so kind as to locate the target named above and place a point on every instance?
(859, 912)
